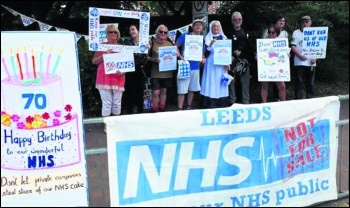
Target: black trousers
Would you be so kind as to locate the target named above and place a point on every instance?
(304, 76)
(134, 89)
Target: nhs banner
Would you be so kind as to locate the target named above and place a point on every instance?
(259, 155)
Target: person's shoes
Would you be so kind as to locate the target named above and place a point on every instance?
(179, 109)
(188, 107)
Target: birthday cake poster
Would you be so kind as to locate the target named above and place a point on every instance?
(42, 145)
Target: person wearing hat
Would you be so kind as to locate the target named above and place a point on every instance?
(303, 66)
(189, 85)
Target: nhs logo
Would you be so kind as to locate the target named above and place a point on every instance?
(162, 168)
(123, 62)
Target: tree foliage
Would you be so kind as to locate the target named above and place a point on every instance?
(258, 15)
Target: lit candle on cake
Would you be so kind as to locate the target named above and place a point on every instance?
(26, 60)
(33, 60)
(4, 63)
(48, 62)
(19, 63)
(13, 63)
(57, 61)
(41, 60)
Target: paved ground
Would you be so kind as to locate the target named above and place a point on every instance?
(98, 167)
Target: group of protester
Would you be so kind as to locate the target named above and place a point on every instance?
(213, 93)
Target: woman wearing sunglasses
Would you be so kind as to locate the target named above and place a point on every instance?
(160, 80)
(110, 86)
(273, 32)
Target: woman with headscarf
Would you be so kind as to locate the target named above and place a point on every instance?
(214, 93)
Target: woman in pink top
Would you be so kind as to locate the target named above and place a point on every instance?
(110, 86)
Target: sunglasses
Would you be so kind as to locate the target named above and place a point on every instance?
(270, 32)
(163, 32)
(237, 20)
(112, 32)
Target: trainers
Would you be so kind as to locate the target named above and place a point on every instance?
(188, 107)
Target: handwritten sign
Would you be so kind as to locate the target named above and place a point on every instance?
(42, 151)
(315, 42)
(273, 59)
(123, 62)
(94, 29)
(222, 52)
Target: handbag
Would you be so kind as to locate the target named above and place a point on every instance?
(240, 66)
(184, 69)
(226, 79)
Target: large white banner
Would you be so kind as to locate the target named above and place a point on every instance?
(42, 150)
(258, 155)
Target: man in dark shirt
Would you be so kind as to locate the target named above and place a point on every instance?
(239, 52)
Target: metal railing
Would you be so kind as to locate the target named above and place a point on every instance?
(101, 197)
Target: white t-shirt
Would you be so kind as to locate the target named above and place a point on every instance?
(297, 41)
(283, 34)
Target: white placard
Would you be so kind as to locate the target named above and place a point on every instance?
(222, 52)
(123, 62)
(193, 50)
(315, 42)
(167, 57)
(273, 60)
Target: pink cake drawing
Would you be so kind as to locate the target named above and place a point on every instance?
(39, 129)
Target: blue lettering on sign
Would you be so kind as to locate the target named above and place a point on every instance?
(160, 168)
(167, 53)
(279, 43)
(125, 64)
(117, 13)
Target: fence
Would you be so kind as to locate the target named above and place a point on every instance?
(97, 162)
